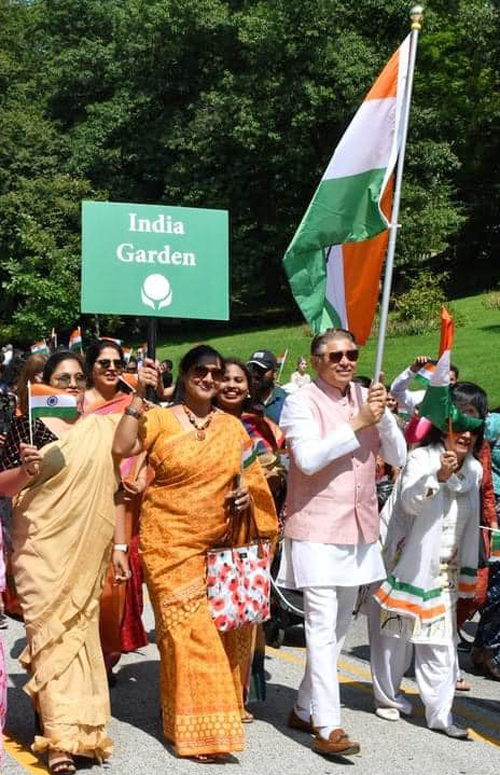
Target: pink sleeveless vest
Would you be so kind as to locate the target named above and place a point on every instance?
(337, 505)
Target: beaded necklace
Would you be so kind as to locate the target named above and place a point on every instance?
(200, 429)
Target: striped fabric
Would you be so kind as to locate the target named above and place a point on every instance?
(334, 261)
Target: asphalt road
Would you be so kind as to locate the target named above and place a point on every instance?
(404, 747)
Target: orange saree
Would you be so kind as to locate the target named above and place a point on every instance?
(183, 515)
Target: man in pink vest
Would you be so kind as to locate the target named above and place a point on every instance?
(335, 429)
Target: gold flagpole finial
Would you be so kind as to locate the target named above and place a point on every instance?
(416, 16)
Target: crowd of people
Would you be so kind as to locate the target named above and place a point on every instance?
(366, 505)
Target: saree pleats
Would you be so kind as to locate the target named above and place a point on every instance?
(63, 528)
(184, 514)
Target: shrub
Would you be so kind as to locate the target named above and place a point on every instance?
(492, 300)
(417, 310)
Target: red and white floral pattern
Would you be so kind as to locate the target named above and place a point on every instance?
(238, 584)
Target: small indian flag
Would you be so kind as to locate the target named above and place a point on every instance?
(424, 375)
(334, 261)
(248, 454)
(75, 339)
(40, 347)
(127, 352)
(46, 401)
(437, 405)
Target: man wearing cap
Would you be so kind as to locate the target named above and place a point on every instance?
(335, 429)
(263, 367)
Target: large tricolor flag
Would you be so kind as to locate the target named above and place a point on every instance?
(334, 261)
(47, 401)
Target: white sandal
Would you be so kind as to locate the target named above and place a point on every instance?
(388, 714)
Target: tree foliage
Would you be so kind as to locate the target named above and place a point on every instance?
(235, 104)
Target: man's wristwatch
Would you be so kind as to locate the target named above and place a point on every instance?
(121, 548)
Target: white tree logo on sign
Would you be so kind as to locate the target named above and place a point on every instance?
(156, 288)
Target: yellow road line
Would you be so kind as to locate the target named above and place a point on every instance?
(23, 756)
(462, 710)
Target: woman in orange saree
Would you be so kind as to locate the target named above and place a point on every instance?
(196, 453)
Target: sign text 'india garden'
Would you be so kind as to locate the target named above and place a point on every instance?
(155, 260)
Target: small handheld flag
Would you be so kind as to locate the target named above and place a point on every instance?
(40, 347)
(437, 405)
(281, 359)
(47, 401)
(75, 340)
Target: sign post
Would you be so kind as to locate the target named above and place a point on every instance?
(155, 261)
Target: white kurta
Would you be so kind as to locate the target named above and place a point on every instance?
(312, 564)
(407, 399)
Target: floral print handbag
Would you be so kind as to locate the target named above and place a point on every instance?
(239, 585)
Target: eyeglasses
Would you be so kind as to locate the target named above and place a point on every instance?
(201, 372)
(105, 363)
(64, 380)
(336, 357)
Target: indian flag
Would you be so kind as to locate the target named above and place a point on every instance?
(46, 401)
(75, 339)
(127, 352)
(334, 261)
(249, 454)
(437, 405)
(40, 347)
(447, 331)
(424, 375)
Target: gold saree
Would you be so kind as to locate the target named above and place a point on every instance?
(62, 539)
(182, 516)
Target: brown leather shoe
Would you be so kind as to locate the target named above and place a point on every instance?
(295, 722)
(338, 744)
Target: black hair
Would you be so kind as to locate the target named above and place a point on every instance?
(250, 401)
(56, 358)
(11, 372)
(196, 356)
(94, 350)
(168, 363)
(464, 394)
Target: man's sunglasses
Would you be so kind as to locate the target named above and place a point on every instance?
(336, 357)
(105, 363)
(200, 372)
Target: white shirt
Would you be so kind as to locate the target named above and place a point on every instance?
(311, 564)
(407, 399)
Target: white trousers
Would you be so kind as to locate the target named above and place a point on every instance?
(436, 672)
(327, 613)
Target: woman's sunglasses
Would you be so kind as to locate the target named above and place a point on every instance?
(105, 363)
(201, 372)
(64, 380)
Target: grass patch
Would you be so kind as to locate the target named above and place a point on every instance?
(475, 351)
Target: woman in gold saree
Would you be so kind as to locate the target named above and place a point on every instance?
(65, 479)
(196, 453)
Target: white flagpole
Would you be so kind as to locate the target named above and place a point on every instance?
(282, 365)
(416, 15)
(30, 422)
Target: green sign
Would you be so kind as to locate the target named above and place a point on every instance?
(155, 260)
